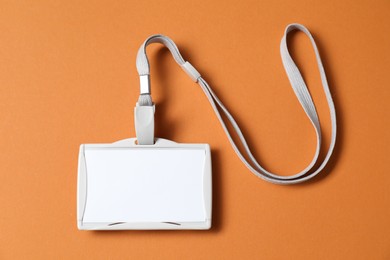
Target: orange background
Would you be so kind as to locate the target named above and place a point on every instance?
(67, 76)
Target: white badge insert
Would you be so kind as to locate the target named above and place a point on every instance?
(161, 186)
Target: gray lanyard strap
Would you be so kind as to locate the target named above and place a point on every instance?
(297, 83)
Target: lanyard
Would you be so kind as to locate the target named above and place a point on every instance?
(296, 81)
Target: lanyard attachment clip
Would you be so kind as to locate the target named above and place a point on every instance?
(144, 114)
(144, 124)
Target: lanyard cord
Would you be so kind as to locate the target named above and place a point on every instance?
(297, 83)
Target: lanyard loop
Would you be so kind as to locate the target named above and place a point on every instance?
(298, 84)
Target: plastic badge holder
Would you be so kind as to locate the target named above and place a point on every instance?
(128, 186)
